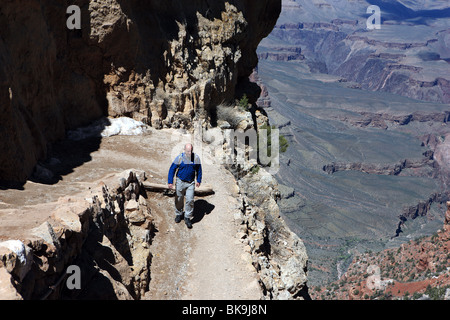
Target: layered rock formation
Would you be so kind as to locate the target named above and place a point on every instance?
(404, 56)
(388, 169)
(348, 104)
(106, 233)
(161, 62)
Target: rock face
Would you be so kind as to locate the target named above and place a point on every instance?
(447, 217)
(388, 169)
(160, 62)
(107, 236)
(279, 255)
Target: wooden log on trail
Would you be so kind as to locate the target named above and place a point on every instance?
(203, 190)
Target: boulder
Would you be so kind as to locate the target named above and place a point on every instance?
(7, 290)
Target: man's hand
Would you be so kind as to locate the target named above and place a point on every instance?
(197, 184)
(170, 185)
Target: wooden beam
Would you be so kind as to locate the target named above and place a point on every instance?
(203, 190)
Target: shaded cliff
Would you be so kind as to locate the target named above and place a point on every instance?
(161, 62)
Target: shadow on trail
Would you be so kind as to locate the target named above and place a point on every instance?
(201, 207)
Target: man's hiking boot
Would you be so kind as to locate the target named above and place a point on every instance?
(178, 218)
(188, 223)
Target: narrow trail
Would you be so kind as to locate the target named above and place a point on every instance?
(205, 262)
(208, 261)
(220, 268)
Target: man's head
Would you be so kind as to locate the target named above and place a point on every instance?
(188, 148)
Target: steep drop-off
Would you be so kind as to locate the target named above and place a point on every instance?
(366, 116)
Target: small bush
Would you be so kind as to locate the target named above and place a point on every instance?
(255, 169)
(283, 143)
(436, 293)
(243, 103)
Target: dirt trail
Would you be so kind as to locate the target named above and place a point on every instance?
(208, 261)
(205, 262)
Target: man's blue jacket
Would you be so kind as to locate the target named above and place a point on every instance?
(186, 168)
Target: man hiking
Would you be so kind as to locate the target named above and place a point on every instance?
(188, 165)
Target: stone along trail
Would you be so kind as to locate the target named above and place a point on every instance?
(205, 262)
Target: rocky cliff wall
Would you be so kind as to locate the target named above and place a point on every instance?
(161, 62)
(278, 254)
(106, 233)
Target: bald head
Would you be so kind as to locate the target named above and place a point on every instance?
(188, 147)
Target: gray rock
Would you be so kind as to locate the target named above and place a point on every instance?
(285, 191)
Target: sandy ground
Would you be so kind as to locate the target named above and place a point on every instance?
(205, 262)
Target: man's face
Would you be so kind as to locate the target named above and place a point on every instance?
(188, 150)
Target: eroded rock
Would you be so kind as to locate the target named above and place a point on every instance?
(164, 63)
(278, 254)
(106, 236)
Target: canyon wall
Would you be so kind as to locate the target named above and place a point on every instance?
(278, 254)
(164, 63)
(405, 56)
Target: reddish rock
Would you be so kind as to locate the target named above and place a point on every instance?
(409, 269)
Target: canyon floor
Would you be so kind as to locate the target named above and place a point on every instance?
(205, 262)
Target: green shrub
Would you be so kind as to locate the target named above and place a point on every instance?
(254, 169)
(283, 143)
(243, 103)
(436, 293)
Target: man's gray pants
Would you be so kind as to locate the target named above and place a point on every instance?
(184, 189)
